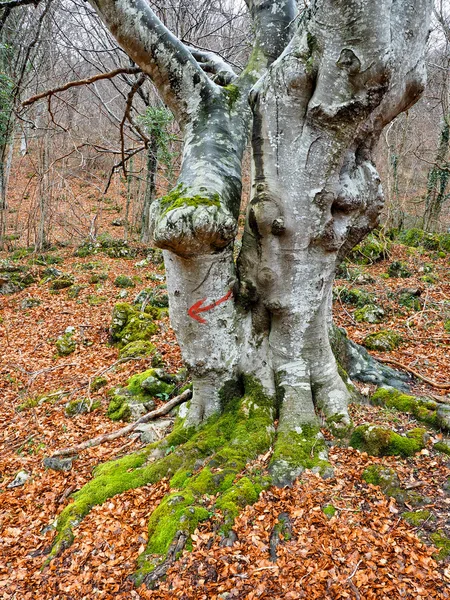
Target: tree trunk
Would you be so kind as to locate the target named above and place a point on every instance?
(438, 178)
(331, 87)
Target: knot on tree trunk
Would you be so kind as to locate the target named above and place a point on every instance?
(190, 224)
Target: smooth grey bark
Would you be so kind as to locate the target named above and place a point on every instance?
(322, 85)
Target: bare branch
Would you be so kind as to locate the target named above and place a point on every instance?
(172, 68)
(108, 437)
(79, 82)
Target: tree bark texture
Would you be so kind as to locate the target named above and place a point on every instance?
(318, 90)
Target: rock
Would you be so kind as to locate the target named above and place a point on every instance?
(377, 441)
(58, 464)
(384, 340)
(443, 416)
(353, 296)
(138, 349)
(29, 303)
(123, 281)
(369, 313)
(122, 294)
(61, 283)
(20, 479)
(443, 446)
(65, 344)
(117, 222)
(398, 269)
(130, 324)
(152, 432)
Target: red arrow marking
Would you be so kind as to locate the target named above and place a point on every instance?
(197, 308)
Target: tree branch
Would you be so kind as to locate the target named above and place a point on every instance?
(211, 62)
(179, 79)
(79, 82)
(109, 437)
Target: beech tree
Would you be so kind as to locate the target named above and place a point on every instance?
(319, 87)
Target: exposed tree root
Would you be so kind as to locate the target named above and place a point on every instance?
(435, 384)
(109, 437)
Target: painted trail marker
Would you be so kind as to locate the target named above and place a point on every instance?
(197, 308)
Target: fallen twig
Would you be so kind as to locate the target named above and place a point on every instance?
(108, 437)
(435, 384)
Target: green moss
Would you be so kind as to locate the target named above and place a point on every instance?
(398, 269)
(123, 281)
(83, 406)
(61, 283)
(97, 383)
(337, 425)
(296, 451)
(417, 517)
(130, 325)
(382, 341)
(369, 313)
(409, 300)
(329, 510)
(443, 447)
(422, 409)
(378, 441)
(233, 94)
(354, 296)
(371, 250)
(201, 462)
(118, 408)
(137, 349)
(179, 198)
(65, 344)
(442, 543)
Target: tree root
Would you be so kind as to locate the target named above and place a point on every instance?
(361, 366)
(209, 474)
(109, 437)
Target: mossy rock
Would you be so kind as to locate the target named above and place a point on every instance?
(97, 383)
(369, 313)
(372, 249)
(443, 446)
(418, 517)
(389, 482)
(74, 291)
(62, 283)
(80, 407)
(409, 300)
(65, 344)
(416, 238)
(423, 409)
(138, 397)
(138, 349)
(377, 441)
(123, 281)
(130, 325)
(442, 543)
(382, 341)
(398, 269)
(353, 296)
(29, 303)
(98, 277)
(156, 297)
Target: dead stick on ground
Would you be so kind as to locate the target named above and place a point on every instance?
(391, 361)
(108, 437)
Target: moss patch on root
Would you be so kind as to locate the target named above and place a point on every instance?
(377, 441)
(201, 463)
(389, 482)
(416, 518)
(423, 409)
(442, 543)
(295, 451)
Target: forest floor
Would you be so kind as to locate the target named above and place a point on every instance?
(365, 551)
